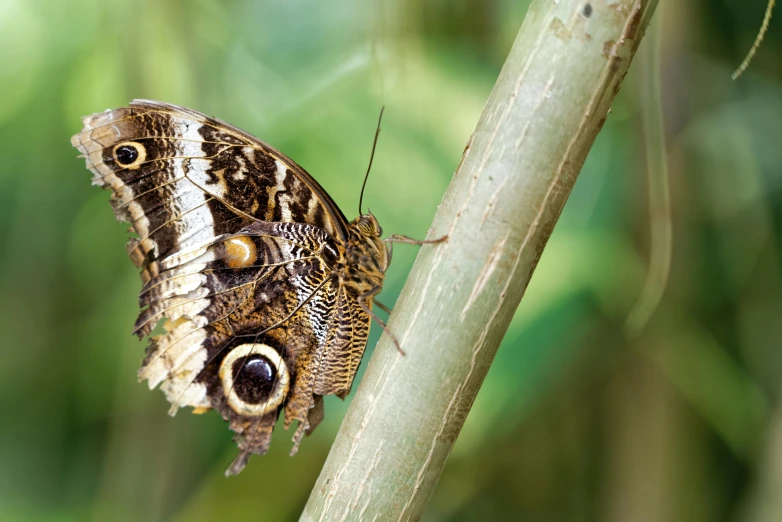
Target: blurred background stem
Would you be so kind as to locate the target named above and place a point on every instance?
(758, 40)
(765, 503)
(550, 101)
(659, 201)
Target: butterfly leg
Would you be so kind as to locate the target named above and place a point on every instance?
(398, 238)
(383, 307)
(362, 301)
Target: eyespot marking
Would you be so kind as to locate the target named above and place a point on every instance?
(239, 252)
(255, 379)
(129, 154)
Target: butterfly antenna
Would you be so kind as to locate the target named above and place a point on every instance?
(371, 157)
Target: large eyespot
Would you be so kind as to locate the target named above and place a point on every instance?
(239, 252)
(255, 379)
(130, 154)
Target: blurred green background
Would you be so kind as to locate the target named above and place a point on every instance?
(577, 420)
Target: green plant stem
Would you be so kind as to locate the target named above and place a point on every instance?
(549, 102)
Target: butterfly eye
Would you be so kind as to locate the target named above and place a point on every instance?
(365, 226)
(368, 226)
(255, 379)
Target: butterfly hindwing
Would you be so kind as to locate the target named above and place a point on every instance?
(281, 296)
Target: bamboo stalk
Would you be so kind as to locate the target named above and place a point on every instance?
(550, 101)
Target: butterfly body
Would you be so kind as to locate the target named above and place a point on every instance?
(367, 256)
(264, 289)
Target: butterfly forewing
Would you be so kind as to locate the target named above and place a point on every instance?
(239, 250)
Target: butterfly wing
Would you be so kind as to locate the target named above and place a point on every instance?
(236, 244)
(181, 178)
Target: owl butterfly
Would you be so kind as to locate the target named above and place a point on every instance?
(264, 288)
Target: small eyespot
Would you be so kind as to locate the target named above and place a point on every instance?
(126, 154)
(239, 252)
(130, 154)
(255, 379)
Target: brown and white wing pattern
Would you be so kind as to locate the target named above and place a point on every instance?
(237, 247)
(265, 300)
(181, 178)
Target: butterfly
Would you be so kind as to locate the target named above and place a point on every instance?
(264, 289)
